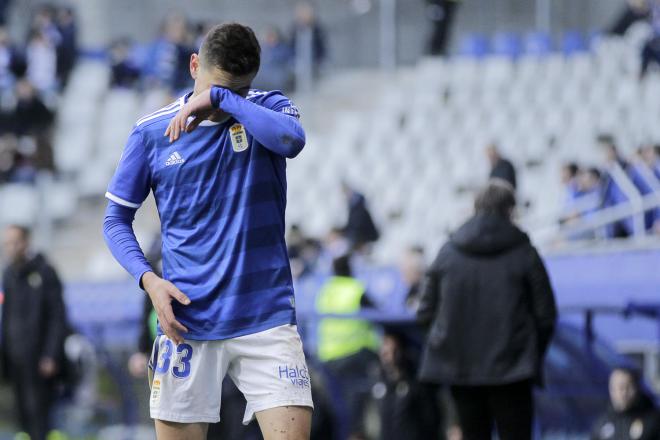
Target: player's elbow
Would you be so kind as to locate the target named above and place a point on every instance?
(293, 144)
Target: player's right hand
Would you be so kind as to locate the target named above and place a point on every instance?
(162, 292)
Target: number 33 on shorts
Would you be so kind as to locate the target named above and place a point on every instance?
(172, 359)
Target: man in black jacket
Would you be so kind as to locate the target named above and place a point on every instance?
(500, 167)
(360, 228)
(632, 414)
(34, 327)
(492, 313)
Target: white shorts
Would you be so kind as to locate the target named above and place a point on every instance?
(267, 367)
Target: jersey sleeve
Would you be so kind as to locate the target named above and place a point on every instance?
(281, 104)
(131, 182)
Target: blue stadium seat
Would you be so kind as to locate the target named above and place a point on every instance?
(474, 46)
(573, 42)
(507, 44)
(538, 43)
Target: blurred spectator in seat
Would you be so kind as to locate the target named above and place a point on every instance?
(124, 71)
(491, 310)
(43, 22)
(500, 167)
(33, 119)
(632, 413)
(614, 193)
(31, 115)
(168, 61)
(651, 49)
(650, 155)
(308, 35)
(41, 60)
(10, 59)
(569, 179)
(303, 252)
(276, 71)
(441, 13)
(4, 6)
(360, 229)
(408, 410)
(7, 153)
(412, 267)
(34, 327)
(67, 49)
(346, 346)
(590, 191)
(633, 11)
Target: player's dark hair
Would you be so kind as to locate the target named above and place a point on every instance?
(497, 198)
(233, 48)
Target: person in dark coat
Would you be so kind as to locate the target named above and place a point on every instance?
(491, 310)
(360, 228)
(500, 167)
(631, 415)
(34, 327)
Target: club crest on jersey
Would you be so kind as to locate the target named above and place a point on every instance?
(239, 140)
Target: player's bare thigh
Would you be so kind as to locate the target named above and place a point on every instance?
(285, 423)
(181, 431)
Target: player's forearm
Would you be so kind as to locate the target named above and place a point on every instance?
(280, 133)
(120, 238)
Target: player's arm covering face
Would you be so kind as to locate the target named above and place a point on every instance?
(273, 122)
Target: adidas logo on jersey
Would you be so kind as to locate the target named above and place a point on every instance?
(174, 159)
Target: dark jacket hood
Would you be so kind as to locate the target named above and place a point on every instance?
(488, 234)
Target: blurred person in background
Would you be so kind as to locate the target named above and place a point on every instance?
(347, 346)
(308, 32)
(4, 6)
(500, 167)
(441, 13)
(412, 267)
(10, 58)
(125, 72)
(34, 120)
(360, 229)
(651, 49)
(614, 194)
(632, 12)
(408, 410)
(491, 313)
(67, 49)
(167, 63)
(570, 179)
(41, 59)
(276, 71)
(631, 415)
(34, 327)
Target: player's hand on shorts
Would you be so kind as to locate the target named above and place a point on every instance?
(199, 107)
(162, 292)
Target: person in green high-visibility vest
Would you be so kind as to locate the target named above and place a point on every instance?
(347, 346)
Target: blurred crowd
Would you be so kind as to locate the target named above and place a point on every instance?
(32, 74)
(641, 10)
(617, 180)
(164, 62)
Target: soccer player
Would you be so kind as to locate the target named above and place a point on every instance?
(215, 161)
